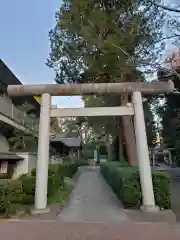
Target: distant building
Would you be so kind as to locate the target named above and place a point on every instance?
(12, 117)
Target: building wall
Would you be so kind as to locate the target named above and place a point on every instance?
(25, 166)
(4, 145)
(21, 166)
(5, 104)
(32, 161)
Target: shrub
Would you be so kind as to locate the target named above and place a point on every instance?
(70, 169)
(125, 182)
(55, 178)
(28, 184)
(21, 191)
(65, 170)
(162, 189)
(82, 163)
(10, 196)
(33, 172)
(28, 188)
(56, 174)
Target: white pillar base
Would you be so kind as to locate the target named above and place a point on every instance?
(35, 211)
(150, 209)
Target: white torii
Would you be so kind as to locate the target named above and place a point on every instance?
(136, 109)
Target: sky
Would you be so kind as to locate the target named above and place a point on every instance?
(24, 43)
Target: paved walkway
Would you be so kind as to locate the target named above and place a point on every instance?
(93, 201)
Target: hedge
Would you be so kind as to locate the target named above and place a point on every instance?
(14, 193)
(125, 182)
(10, 196)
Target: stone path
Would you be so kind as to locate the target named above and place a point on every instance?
(93, 201)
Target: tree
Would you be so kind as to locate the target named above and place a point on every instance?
(55, 126)
(169, 111)
(99, 47)
(23, 142)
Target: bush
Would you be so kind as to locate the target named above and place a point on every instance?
(162, 190)
(10, 196)
(33, 172)
(28, 184)
(55, 179)
(125, 182)
(28, 188)
(70, 169)
(21, 192)
(82, 163)
(65, 170)
(56, 174)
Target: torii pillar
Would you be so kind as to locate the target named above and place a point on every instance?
(143, 155)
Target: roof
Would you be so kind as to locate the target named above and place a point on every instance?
(9, 156)
(69, 142)
(8, 78)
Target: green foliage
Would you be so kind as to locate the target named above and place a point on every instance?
(96, 41)
(33, 172)
(69, 169)
(10, 196)
(21, 141)
(107, 45)
(28, 187)
(75, 161)
(125, 182)
(169, 115)
(14, 193)
(55, 179)
(162, 191)
(83, 163)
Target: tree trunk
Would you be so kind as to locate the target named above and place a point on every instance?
(120, 141)
(129, 135)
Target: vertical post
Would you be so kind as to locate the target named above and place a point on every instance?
(12, 111)
(95, 156)
(153, 157)
(78, 154)
(43, 154)
(143, 155)
(170, 158)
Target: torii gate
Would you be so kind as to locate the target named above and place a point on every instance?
(136, 109)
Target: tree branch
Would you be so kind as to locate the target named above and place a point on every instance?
(165, 7)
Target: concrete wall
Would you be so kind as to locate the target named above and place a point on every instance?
(13, 116)
(4, 145)
(25, 166)
(6, 105)
(32, 161)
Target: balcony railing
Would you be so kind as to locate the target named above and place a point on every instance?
(11, 111)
